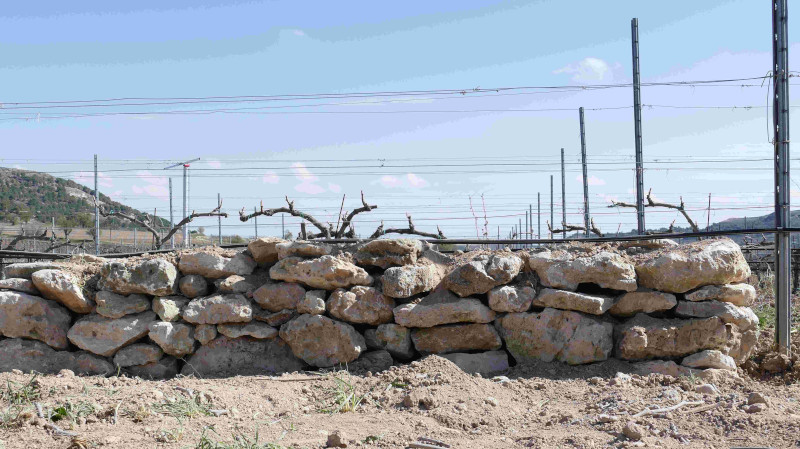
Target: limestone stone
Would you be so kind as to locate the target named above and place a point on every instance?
(273, 319)
(565, 270)
(264, 249)
(683, 268)
(218, 309)
(456, 338)
(326, 272)
(385, 253)
(279, 296)
(372, 361)
(254, 329)
(175, 339)
(20, 285)
(169, 308)
(396, 339)
(321, 341)
(193, 285)
(112, 305)
(554, 334)
(645, 337)
(242, 357)
(137, 354)
(410, 280)
(164, 368)
(26, 269)
(215, 266)
(234, 284)
(303, 249)
(511, 298)
(743, 317)
(204, 333)
(741, 349)
(566, 300)
(665, 367)
(28, 316)
(104, 336)
(313, 302)
(29, 355)
(736, 294)
(62, 288)
(442, 307)
(155, 277)
(483, 273)
(709, 358)
(643, 301)
(361, 305)
(483, 362)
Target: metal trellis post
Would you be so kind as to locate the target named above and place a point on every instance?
(585, 175)
(637, 125)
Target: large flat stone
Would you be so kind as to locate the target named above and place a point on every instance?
(104, 336)
(360, 305)
(326, 272)
(743, 317)
(456, 338)
(303, 249)
(26, 269)
(279, 296)
(112, 305)
(19, 285)
(442, 307)
(321, 341)
(28, 316)
(566, 300)
(385, 253)
(483, 273)
(553, 334)
(566, 270)
(218, 309)
(410, 280)
(709, 358)
(737, 294)
(137, 354)
(396, 339)
(244, 356)
(264, 249)
(215, 266)
(29, 355)
(155, 277)
(645, 337)
(643, 301)
(511, 298)
(62, 287)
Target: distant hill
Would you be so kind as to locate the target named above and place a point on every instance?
(28, 195)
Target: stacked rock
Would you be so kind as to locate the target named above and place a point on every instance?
(283, 306)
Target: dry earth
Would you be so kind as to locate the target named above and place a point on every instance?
(548, 405)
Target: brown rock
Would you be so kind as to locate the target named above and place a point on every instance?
(137, 354)
(20, 285)
(155, 277)
(165, 368)
(313, 303)
(169, 308)
(218, 309)
(385, 253)
(565, 270)
(483, 273)
(276, 297)
(633, 431)
(264, 249)
(27, 316)
(273, 319)
(395, 339)
(255, 329)
(566, 300)
(204, 333)
(303, 249)
(193, 285)
(362, 305)
(643, 301)
(61, 287)
(511, 298)
(25, 270)
(456, 338)
(174, 338)
(112, 305)
(743, 317)
(104, 336)
(242, 357)
(321, 341)
(410, 280)
(234, 284)
(326, 272)
(29, 355)
(442, 307)
(644, 337)
(710, 358)
(215, 266)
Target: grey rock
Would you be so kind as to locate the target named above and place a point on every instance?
(26, 269)
(193, 285)
(566, 300)
(385, 253)
(456, 338)
(511, 298)
(175, 339)
(396, 339)
(743, 317)
(20, 285)
(234, 284)
(241, 357)
(137, 354)
(643, 301)
(276, 297)
(645, 337)
(371, 339)
(104, 336)
(255, 329)
(372, 361)
(218, 309)
(326, 272)
(169, 308)
(28, 316)
(321, 341)
(442, 307)
(736, 294)
(361, 305)
(483, 273)
(165, 368)
(483, 362)
(410, 280)
(313, 302)
(709, 358)
(301, 248)
(215, 266)
(204, 333)
(62, 287)
(565, 270)
(155, 277)
(275, 319)
(29, 355)
(112, 305)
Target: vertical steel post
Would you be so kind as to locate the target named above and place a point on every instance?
(96, 211)
(134, 239)
(552, 216)
(283, 231)
(637, 126)
(185, 206)
(219, 221)
(563, 197)
(539, 215)
(525, 233)
(780, 72)
(171, 216)
(255, 220)
(708, 219)
(585, 175)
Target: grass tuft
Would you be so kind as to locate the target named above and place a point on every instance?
(344, 396)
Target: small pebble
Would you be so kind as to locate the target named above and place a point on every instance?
(756, 408)
(16, 371)
(756, 398)
(492, 401)
(603, 418)
(633, 431)
(706, 389)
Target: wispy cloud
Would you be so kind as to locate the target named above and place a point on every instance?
(155, 185)
(587, 69)
(307, 180)
(335, 188)
(415, 181)
(270, 177)
(593, 180)
(87, 178)
(410, 180)
(214, 164)
(389, 181)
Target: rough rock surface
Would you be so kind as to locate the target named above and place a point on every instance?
(326, 272)
(218, 309)
(28, 316)
(560, 269)
(264, 249)
(683, 268)
(242, 357)
(643, 301)
(566, 300)
(61, 287)
(169, 308)
(483, 362)
(645, 337)
(743, 317)
(709, 359)
(234, 284)
(255, 329)
(511, 298)
(741, 348)
(361, 305)
(273, 319)
(302, 249)
(410, 280)
(215, 266)
(442, 307)
(193, 285)
(372, 361)
(456, 338)
(321, 341)
(276, 297)
(20, 285)
(137, 354)
(174, 338)
(313, 302)
(29, 355)
(736, 294)
(165, 368)
(204, 333)
(665, 367)
(112, 305)
(150, 277)
(553, 334)
(396, 339)
(483, 273)
(387, 253)
(104, 336)
(26, 269)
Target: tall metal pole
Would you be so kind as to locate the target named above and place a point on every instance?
(539, 215)
(96, 211)
(552, 223)
(185, 166)
(283, 231)
(171, 217)
(563, 197)
(783, 262)
(585, 174)
(255, 220)
(525, 232)
(637, 126)
(219, 221)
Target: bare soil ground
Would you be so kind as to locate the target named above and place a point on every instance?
(548, 405)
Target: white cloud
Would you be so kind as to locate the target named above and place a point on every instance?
(593, 180)
(587, 69)
(270, 177)
(335, 188)
(298, 32)
(308, 179)
(309, 188)
(87, 178)
(150, 178)
(390, 181)
(214, 164)
(415, 181)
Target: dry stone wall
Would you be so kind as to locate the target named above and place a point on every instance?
(284, 306)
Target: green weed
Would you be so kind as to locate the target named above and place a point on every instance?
(16, 393)
(182, 407)
(344, 396)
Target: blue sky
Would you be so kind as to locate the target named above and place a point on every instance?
(86, 50)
